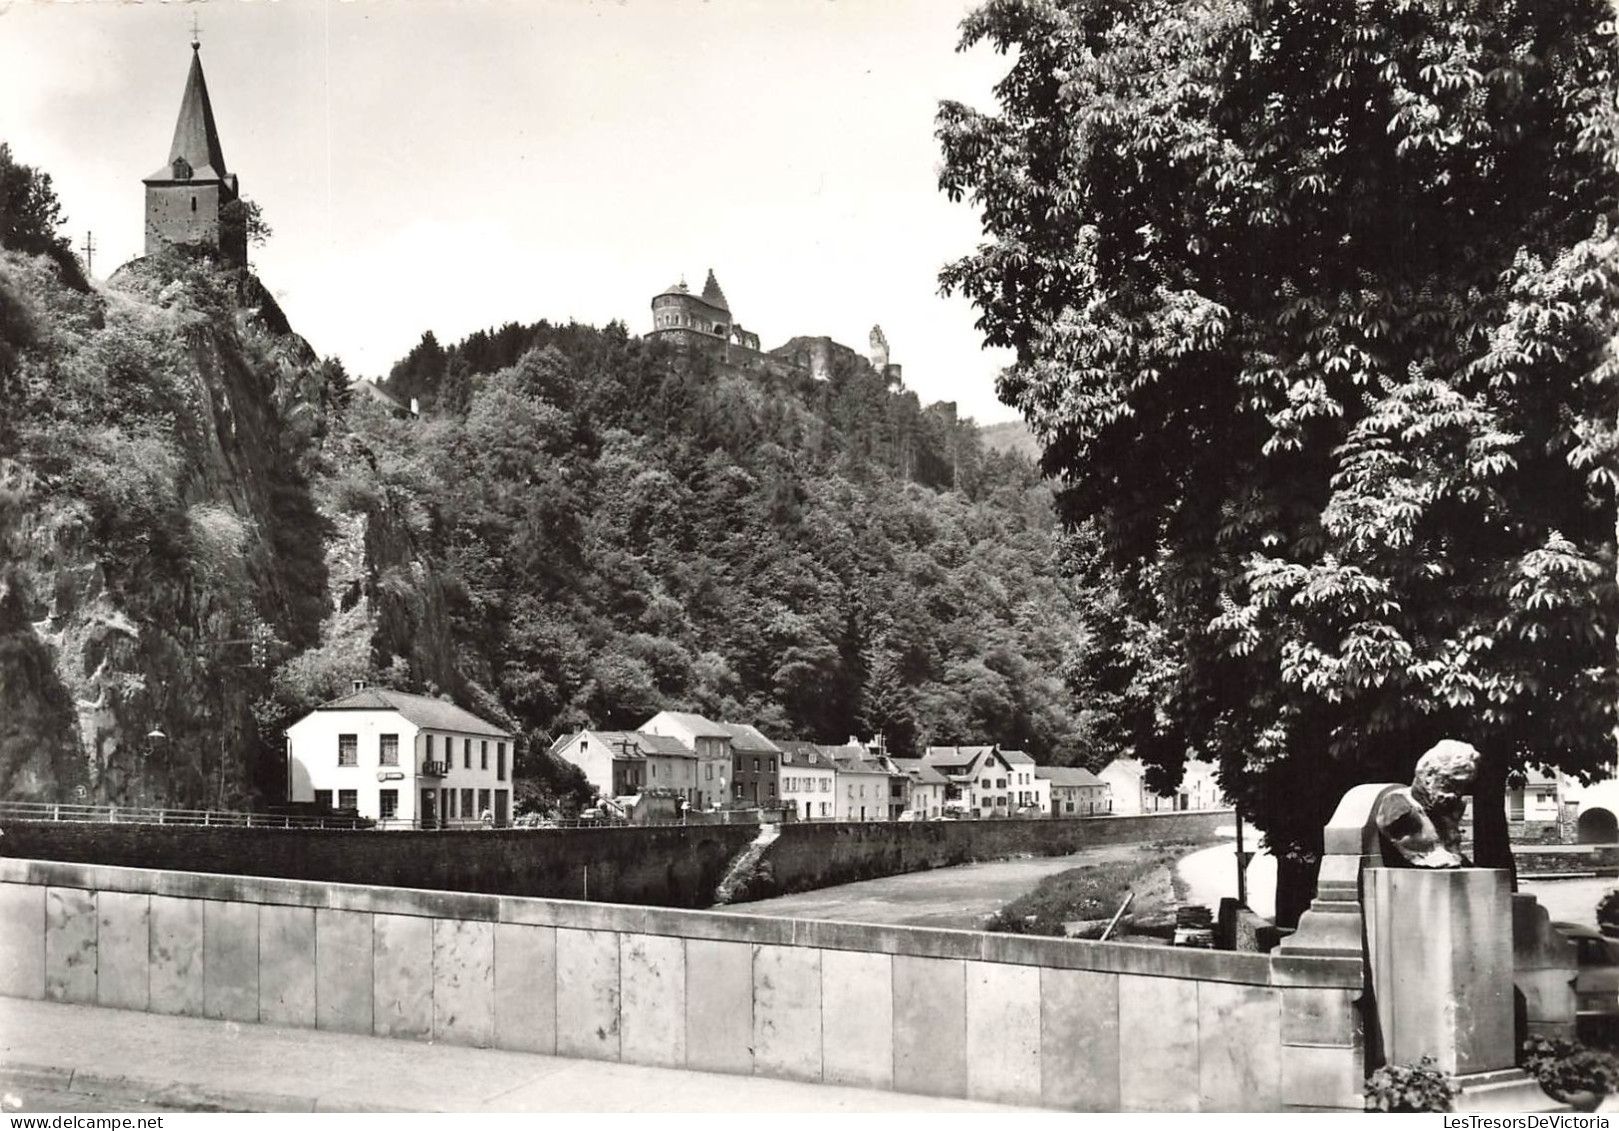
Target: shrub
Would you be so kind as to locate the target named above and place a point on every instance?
(1608, 913)
(1410, 1087)
(1566, 1067)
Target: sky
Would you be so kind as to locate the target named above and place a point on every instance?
(453, 166)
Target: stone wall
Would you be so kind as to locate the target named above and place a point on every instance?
(668, 866)
(1050, 1022)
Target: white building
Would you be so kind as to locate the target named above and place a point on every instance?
(403, 760)
(979, 777)
(1029, 793)
(619, 763)
(706, 739)
(808, 781)
(1126, 779)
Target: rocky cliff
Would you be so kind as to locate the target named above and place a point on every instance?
(162, 553)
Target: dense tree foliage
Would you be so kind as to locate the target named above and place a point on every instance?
(621, 528)
(31, 216)
(1310, 301)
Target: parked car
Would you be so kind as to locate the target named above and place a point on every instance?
(1596, 986)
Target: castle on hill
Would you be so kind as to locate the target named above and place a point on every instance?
(189, 200)
(702, 323)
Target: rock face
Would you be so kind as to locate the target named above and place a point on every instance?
(163, 550)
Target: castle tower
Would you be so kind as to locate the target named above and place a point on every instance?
(879, 349)
(186, 199)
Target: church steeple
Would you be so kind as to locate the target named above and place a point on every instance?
(186, 197)
(196, 137)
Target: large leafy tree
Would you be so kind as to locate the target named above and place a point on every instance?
(1313, 305)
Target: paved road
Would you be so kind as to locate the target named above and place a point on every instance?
(1570, 901)
(961, 897)
(1211, 875)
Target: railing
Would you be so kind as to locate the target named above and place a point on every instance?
(435, 769)
(140, 815)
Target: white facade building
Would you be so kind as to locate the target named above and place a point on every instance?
(808, 781)
(405, 761)
(706, 739)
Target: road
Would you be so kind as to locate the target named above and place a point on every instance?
(960, 897)
(1570, 901)
(1211, 875)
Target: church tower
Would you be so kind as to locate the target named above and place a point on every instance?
(186, 200)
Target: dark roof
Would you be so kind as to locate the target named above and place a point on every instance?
(196, 138)
(920, 771)
(425, 712)
(632, 745)
(748, 740)
(797, 753)
(1070, 776)
(712, 293)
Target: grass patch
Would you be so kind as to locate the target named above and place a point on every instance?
(1091, 891)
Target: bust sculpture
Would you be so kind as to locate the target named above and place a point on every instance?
(1422, 822)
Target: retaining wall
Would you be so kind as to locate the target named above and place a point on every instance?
(1052, 1022)
(668, 866)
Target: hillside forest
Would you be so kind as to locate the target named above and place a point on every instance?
(206, 533)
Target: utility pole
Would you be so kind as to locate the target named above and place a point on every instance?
(89, 250)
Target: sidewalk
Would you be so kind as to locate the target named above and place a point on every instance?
(191, 1063)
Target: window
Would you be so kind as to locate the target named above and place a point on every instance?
(739, 791)
(193, 204)
(466, 753)
(388, 751)
(772, 789)
(770, 765)
(500, 761)
(1000, 783)
(483, 754)
(323, 798)
(387, 804)
(654, 769)
(984, 784)
(756, 765)
(348, 750)
(708, 774)
(483, 802)
(348, 799)
(466, 803)
(826, 785)
(862, 789)
(449, 803)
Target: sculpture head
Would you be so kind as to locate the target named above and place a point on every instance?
(1445, 775)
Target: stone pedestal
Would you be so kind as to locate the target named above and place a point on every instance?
(1440, 949)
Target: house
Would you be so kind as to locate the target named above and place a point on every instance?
(1075, 792)
(808, 779)
(865, 783)
(1030, 793)
(709, 741)
(755, 766)
(618, 763)
(1126, 781)
(926, 795)
(403, 760)
(979, 777)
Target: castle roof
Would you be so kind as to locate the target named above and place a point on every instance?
(712, 293)
(196, 138)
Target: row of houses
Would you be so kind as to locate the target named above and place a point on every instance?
(413, 761)
(707, 764)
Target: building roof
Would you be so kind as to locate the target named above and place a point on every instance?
(1127, 766)
(377, 393)
(712, 293)
(795, 752)
(632, 745)
(196, 138)
(425, 711)
(700, 726)
(746, 739)
(1070, 776)
(919, 771)
(1017, 758)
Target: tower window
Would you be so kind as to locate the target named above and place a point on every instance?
(193, 204)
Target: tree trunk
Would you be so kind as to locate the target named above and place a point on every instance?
(1491, 846)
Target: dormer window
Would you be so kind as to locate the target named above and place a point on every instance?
(182, 169)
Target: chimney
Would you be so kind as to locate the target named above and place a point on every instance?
(359, 685)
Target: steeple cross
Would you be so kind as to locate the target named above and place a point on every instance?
(196, 33)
